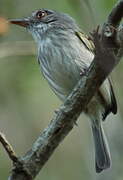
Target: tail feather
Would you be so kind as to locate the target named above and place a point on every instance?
(102, 154)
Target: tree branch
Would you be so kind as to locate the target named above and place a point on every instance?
(8, 148)
(106, 51)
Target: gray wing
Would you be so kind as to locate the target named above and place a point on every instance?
(107, 98)
(106, 92)
(113, 98)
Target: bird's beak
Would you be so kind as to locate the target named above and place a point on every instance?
(20, 22)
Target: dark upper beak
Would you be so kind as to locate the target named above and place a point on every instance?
(20, 22)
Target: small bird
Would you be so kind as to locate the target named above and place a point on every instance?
(64, 55)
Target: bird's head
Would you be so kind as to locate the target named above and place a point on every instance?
(44, 20)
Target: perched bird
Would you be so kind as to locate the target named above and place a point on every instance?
(65, 52)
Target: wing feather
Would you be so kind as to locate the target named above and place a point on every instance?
(106, 92)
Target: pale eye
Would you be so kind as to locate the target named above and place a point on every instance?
(41, 14)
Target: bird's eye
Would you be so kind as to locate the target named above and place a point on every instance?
(41, 14)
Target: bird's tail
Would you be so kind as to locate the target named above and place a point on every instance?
(102, 154)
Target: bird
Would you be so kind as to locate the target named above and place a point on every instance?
(65, 53)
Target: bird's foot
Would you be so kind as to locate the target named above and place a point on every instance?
(83, 72)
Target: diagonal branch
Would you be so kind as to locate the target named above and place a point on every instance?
(63, 121)
(8, 148)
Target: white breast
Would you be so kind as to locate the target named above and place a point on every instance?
(62, 60)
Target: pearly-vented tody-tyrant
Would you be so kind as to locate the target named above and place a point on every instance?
(65, 52)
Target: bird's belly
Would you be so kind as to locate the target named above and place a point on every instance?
(62, 83)
(62, 62)
(62, 79)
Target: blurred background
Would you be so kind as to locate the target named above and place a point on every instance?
(27, 104)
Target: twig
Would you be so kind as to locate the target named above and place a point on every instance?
(7, 146)
(116, 14)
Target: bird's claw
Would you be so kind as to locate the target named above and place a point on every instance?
(83, 72)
